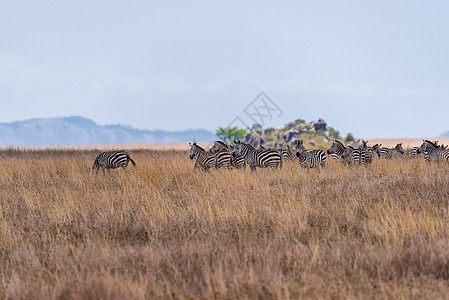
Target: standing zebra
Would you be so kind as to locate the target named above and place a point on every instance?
(311, 159)
(238, 161)
(225, 155)
(111, 160)
(352, 155)
(205, 160)
(258, 158)
(387, 152)
(357, 155)
(433, 152)
(287, 153)
(336, 150)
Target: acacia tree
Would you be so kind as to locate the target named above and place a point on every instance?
(230, 133)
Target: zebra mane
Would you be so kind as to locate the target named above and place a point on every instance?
(338, 142)
(198, 146)
(222, 143)
(432, 143)
(249, 145)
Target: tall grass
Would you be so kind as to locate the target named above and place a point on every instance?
(162, 230)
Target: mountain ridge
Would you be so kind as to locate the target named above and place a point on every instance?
(77, 130)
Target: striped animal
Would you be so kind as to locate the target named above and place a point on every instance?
(433, 152)
(413, 152)
(258, 158)
(311, 159)
(384, 152)
(205, 160)
(356, 155)
(111, 160)
(336, 150)
(225, 155)
(286, 153)
(352, 155)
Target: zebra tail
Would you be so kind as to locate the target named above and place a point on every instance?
(132, 161)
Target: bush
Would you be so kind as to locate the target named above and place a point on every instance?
(230, 133)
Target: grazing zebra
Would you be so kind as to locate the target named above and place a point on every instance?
(111, 160)
(433, 152)
(389, 153)
(336, 150)
(258, 158)
(311, 159)
(225, 155)
(205, 160)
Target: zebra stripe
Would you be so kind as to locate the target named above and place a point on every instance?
(433, 152)
(220, 149)
(205, 160)
(258, 158)
(359, 156)
(413, 152)
(352, 155)
(287, 153)
(336, 150)
(311, 159)
(389, 153)
(111, 160)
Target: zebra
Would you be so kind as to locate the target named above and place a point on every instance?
(434, 152)
(111, 160)
(226, 156)
(389, 153)
(336, 150)
(367, 152)
(205, 160)
(413, 152)
(287, 153)
(311, 159)
(352, 155)
(258, 158)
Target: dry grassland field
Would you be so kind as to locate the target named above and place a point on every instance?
(162, 230)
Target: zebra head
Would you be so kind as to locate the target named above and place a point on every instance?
(237, 147)
(300, 150)
(218, 146)
(95, 166)
(376, 148)
(348, 151)
(426, 146)
(399, 148)
(363, 145)
(195, 150)
(336, 148)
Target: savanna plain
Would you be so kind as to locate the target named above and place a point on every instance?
(163, 230)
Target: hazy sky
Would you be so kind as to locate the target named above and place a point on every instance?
(378, 69)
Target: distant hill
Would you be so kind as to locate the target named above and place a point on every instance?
(82, 131)
(446, 134)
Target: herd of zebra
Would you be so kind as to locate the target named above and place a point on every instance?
(241, 154)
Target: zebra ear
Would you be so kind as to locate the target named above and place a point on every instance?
(190, 144)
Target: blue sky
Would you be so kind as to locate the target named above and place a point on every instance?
(377, 69)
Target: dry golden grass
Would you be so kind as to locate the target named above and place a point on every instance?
(162, 230)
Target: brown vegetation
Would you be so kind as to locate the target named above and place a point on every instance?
(162, 230)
